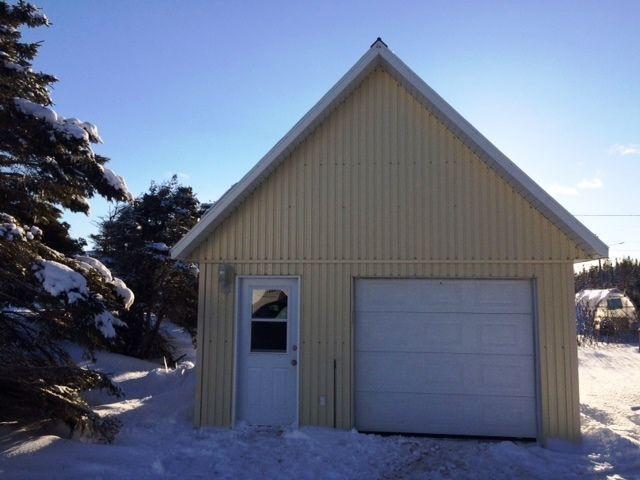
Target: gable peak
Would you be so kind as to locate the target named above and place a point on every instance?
(379, 44)
(380, 55)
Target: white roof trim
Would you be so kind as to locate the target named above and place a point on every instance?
(377, 55)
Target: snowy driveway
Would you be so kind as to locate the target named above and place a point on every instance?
(157, 440)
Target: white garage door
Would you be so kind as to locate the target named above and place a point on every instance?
(445, 357)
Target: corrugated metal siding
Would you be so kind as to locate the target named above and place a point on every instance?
(382, 188)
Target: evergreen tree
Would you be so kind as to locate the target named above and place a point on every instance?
(134, 241)
(47, 292)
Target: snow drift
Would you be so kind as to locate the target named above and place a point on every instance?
(158, 440)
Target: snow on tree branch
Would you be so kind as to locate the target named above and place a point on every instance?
(106, 321)
(39, 14)
(71, 127)
(9, 63)
(116, 181)
(94, 264)
(192, 268)
(123, 292)
(158, 246)
(58, 279)
(121, 288)
(10, 230)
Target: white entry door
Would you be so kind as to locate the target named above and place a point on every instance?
(445, 357)
(267, 383)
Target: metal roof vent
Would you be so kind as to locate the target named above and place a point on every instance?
(379, 43)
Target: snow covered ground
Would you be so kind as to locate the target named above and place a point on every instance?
(157, 440)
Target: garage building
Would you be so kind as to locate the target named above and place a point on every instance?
(384, 267)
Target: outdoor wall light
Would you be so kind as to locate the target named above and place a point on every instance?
(226, 275)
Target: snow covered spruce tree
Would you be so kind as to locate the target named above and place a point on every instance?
(134, 241)
(49, 293)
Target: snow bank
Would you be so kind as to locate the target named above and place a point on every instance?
(157, 438)
(610, 404)
(58, 279)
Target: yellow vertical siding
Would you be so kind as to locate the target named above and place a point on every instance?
(382, 188)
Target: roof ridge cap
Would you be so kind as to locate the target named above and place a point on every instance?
(379, 43)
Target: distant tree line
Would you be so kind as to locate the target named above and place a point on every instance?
(623, 274)
(608, 325)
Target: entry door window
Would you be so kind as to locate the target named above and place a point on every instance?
(269, 320)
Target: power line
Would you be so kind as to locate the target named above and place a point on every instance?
(607, 215)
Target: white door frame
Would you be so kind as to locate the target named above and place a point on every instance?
(537, 349)
(236, 340)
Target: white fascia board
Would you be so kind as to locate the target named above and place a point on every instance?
(376, 55)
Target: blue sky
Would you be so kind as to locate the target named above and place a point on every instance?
(203, 89)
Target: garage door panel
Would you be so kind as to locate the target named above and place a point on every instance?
(382, 331)
(444, 332)
(444, 374)
(512, 335)
(445, 357)
(503, 295)
(444, 296)
(441, 414)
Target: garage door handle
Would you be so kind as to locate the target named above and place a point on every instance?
(294, 362)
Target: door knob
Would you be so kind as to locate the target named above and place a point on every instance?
(294, 362)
